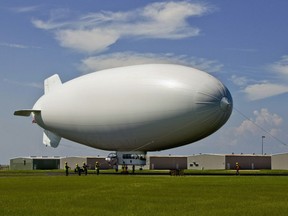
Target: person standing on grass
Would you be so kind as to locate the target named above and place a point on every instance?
(237, 168)
(97, 167)
(85, 168)
(133, 169)
(78, 170)
(67, 169)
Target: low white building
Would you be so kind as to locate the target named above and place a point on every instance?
(279, 161)
(223, 161)
(35, 163)
(206, 161)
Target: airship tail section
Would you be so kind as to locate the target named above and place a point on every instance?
(52, 83)
(51, 139)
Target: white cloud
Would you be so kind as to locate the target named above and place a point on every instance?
(263, 119)
(30, 84)
(95, 32)
(17, 46)
(13, 45)
(264, 90)
(239, 81)
(26, 9)
(261, 89)
(131, 58)
(96, 40)
(281, 66)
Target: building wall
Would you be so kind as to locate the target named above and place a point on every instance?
(91, 161)
(248, 162)
(46, 163)
(203, 161)
(167, 162)
(279, 161)
(206, 161)
(21, 164)
(34, 163)
(72, 161)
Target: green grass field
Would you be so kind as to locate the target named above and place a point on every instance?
(143, 195)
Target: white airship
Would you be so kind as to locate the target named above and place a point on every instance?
(132, 110)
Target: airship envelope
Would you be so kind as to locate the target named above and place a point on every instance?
(136, 108)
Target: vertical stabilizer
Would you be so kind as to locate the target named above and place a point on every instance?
(52, 83)
(51, 139)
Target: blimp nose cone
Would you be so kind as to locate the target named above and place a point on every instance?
(225, 104)
(215, 105)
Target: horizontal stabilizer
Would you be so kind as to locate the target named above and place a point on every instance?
(52, 83)
(51, 139)
(26, 112)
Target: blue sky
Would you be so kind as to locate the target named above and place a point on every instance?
(242, 43)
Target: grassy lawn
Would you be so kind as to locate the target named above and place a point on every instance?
(143, 195)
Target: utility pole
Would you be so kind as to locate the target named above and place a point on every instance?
(262, 143)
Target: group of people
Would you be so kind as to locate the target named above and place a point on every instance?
(83, 169)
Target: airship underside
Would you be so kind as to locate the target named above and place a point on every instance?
(135, 108)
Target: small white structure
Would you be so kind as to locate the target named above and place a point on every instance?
(35, 163)
(206, 161)
(279, 161)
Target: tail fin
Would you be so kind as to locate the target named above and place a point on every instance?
(52, 83)
(51, 139)
(26, 112)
